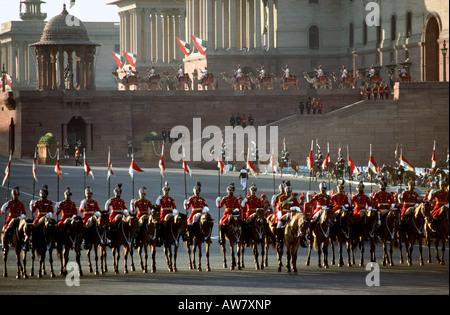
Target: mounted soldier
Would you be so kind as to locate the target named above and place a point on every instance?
(142, 206)
(196, 202)
(319, 72)
(251, 202)
(16, 209)
(166, 203)
(262, 74)
(116, 207)
(286, 74)
(43, 206)
(88, 206)
(68, 208)
(231, 203)
(361, 203)
(322, 201)
(285, 204)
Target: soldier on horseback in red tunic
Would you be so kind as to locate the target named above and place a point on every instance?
(16, 209)
(68, 208)
(361, 203)
(322, 201)
(198, 205)
(88, 206)
(231, 203)
(439, 202)
(43, 206)
(116, 206)
(142, 206)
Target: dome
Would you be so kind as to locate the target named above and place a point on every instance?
(64, 29)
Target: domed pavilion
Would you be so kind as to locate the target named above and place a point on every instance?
(65, 56)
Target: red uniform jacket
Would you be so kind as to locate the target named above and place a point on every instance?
(438, 199)
(339, 200)
(43, 207)
(68, 209)
(167, 204)
(360, 202)
(88, 207)
(16, 208)
(197, 203)
(252, 204)
(116, 206)
(321, 200)
(409, 199)
(284, 204)
(143, 207)
(383, 200)
(230, 203)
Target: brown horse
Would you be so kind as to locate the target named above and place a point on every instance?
(71, 237)
(437, 227)
(340, 232)
(95, 237)
(320, 236)
(146, 237)
(200, 232)
(256, 226)
(234, 229)
(45, 233)
(388, 232)
(360, 231)
(175, 227)
(123, 233)
(294, 231)
(21, 234)
(291, 163)
(413, 230)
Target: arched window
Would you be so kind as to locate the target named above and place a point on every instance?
(364, 33)
(409, 24)
(314, 37)
(393, 27)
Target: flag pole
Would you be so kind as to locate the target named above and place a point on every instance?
(349, 170)
(132, 177)
(109, 175)
(84, 172)
(34, 178)
(57, 176)
(9, 177)
(370, 172)
(401, 154)
(311, 169)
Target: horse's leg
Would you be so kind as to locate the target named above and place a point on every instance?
(145, 257)
(188, 249)
(372, 249)
(199, 245)
(241, 250)
(233, 258)
(400, 248)
(96, 258)
(50, 258)
(24, 270)
(5, 258)
(420, 241)
(78, 258)
(319, 253)
(288, 257)
(385, 254)
(349, 261)
(224, 250)
(294, 259)
(443, 250)
(333, 261)
(263, 253)
(131, 252)
(361, 251)
(280, 257)
(33, 257)
(113, 252)
(41, 263)
(18, 249)
(88, 254)
(175, 254)
(153, 248)
(207, 246)
(168, 255)
(325, 253)
(308, 258)
(255, 255)
(126, 251)
(391, 252)
(141, 262)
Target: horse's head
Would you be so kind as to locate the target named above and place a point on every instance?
(77, 226)
(327, 216)
(206, 223)
(155, 217)
(103, 220)
(26, 227)
(180, 220)
(425, 209)
(300, 222)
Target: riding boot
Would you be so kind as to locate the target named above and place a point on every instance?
(221, 235)
(279, 233)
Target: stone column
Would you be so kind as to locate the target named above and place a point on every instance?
(232, 23)
(210, 25)
(159, 36)
(61, 69)
(219, 28)
(146, 53)
(271, 39)
(257, 24)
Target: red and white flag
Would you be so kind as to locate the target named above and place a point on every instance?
(310, 159)
(353, 169)
(109, 169)
(130, 58)
(57, 167)
(404, 162)
(221, 166)
(433, 157)
(34, 167)
(118, 59)
(7, 171)
(250, 165)
(162, 165)
(133, 168)
(87, 168)
(186, 167)
(373, 165)
(327, 160)
(273, 164)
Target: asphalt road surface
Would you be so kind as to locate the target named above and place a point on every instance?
(429, 279)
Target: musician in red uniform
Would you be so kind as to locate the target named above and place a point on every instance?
(251, 202)
(196, 202)
(439, 200)
(361, 203)
(15, 207)
(340, 199)
(43, 206)
(409, 199)
(67, 207)
(116, 206)
(166, 203)
(88, 206)
(142, 206)
(231, 203)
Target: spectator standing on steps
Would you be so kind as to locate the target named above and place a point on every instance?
(301, 107)
(308, 106)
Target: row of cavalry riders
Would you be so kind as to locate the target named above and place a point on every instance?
(248, 221)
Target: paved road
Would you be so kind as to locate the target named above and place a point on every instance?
(400, 279)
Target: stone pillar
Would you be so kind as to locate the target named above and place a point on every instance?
(159, 36)
(146, 53)
(271, 39)
(232, 24)
(210, 25)
(257, 24)
(219, 27)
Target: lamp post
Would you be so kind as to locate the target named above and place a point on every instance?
(3, 78)
(444, 54)
(355, 62)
